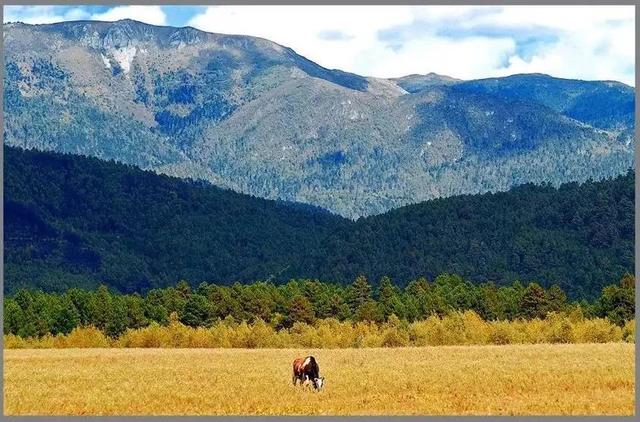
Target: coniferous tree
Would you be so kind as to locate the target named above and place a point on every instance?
(338, 308)
(387, 296)
(557, 299)
(183, 288)
(360, 292)
(81, 300)
(65, 318)
(628, 281)
(101, 308)
(197, 311)
(135, 311)
(369, 311)
(300, 310)
(34, 313)
(534, 303)
(618, 302)
(154, 309)
(117, 323)
(13, 317)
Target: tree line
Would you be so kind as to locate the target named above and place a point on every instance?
(34, 313)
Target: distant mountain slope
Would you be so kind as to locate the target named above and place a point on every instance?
(253, 116)
(417, 83)
(77, 221)
(605, 104)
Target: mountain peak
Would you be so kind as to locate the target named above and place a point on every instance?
(415, 82)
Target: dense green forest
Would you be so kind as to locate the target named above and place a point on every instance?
(30, 313)
(72, 221)
(579, 236)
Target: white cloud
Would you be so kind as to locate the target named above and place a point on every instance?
(594, 42)
(303, 28)
(51, 14)
(463, 58)
(586, 42)
(589, 42)
(42, 14)
(147, 14)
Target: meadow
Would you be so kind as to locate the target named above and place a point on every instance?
(532, 379)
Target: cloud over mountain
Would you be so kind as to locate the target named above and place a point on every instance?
(580, 42)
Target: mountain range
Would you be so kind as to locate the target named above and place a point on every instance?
(253, 116)
(73, 221)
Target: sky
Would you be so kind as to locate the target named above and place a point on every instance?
(466, 42)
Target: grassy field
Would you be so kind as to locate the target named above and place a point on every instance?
(578, 379)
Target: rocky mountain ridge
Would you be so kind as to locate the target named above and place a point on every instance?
(250, 115)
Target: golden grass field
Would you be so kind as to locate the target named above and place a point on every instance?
(576, 379)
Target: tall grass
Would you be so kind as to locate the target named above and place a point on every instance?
(458, 328)
(532, 379)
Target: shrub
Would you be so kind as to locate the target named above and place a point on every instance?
(597, 330)
(629, 331)
(477, 331)
(394, 337)
(261, 335)
(457, 328)
(533, 331)
(501, 333)
(12, 341)
(559, 329)
(83, 337)
(221, 334)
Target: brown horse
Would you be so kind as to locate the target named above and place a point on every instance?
(307, 369)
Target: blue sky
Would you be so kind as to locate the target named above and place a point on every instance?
(467, 42)
(160, 15)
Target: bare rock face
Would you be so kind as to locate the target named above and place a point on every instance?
(254, 116)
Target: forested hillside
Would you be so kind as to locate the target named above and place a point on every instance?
(73, 221)
(77, 221)
(605, 105)
(578, 236)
